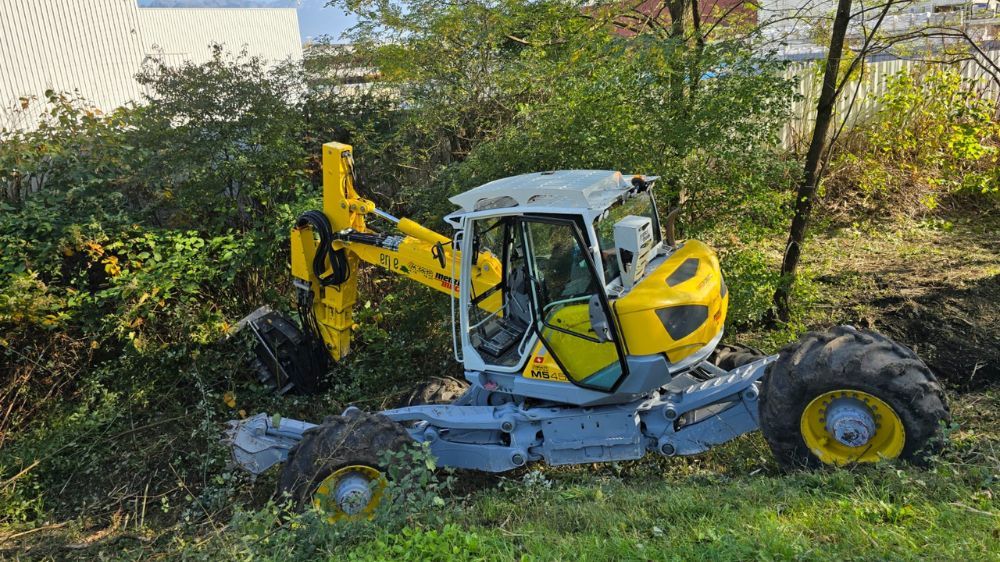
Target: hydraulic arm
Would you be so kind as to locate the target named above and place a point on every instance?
(328, 246)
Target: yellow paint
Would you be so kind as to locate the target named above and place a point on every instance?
(887, 443)
(303, 251)
(414, 260)
(581, 358)
(341, 203)
(414, 229)
(415, 257)
(642, 329)
(543, 367)
(324, 498)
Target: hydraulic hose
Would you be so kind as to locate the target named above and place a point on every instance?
(339, 266)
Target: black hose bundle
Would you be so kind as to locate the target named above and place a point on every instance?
(317, 358)
(314, 362)
(340, 268)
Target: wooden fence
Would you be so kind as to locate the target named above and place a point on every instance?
(864, 104)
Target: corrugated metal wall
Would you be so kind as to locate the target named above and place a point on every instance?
(91, 46)
(95, 47)
(270, 33)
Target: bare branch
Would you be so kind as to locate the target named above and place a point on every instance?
(864, 49)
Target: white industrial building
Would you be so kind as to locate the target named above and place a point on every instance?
(791, 25)
(95, 47)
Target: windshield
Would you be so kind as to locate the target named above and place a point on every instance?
(641, 204)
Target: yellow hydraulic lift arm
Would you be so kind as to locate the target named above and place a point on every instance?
(417, 253)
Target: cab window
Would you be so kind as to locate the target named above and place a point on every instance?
(499, 333)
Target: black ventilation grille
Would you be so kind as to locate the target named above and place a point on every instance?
(685, 271)
(680, 321)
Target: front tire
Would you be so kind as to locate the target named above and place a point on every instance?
(845, 396)
(336, 467)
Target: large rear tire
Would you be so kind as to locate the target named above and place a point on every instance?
(844, 396)
(337, 467)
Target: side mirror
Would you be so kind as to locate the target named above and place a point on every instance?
(598, 320)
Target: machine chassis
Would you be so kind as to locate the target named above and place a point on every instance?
(490, 431)
(578, 347)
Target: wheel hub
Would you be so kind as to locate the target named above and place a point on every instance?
(850, 422)
(848, 425)
(353, 493)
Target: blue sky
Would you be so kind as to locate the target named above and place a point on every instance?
(315, 18)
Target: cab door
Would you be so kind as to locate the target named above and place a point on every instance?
(569, 306)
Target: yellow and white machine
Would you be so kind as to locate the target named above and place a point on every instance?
(586, 335)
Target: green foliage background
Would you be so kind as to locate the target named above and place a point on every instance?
(132, 241)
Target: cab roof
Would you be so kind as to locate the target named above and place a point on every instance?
(592, 190)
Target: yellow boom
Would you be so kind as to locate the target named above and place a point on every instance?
(417, 253)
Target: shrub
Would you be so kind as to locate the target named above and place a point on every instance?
(132, 242)
(933, 142)
(426, 545)
(715, 148)
(117, 279)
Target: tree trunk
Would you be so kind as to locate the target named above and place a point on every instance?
(676, 9)
(810, 180)
(699, 50)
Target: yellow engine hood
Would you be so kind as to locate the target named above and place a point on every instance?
(678, 308)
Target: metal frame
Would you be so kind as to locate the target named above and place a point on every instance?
(596, 276)
(471, 433)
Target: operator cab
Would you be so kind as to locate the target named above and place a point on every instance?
(568, 242)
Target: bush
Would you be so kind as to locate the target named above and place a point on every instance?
(934, 142)
(426, 545)
(715, 148)
(131, 242)
(752, 280)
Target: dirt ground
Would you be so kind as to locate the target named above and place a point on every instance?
(935, 288)
(956, 332)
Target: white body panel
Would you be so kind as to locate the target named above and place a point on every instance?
(634, 248)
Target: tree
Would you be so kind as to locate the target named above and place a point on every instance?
(958, 45)
(810, 179)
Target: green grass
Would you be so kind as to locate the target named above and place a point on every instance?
(876, 514)
(729, 504)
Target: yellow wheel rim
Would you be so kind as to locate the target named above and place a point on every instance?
(847, 426)
(351, 492)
